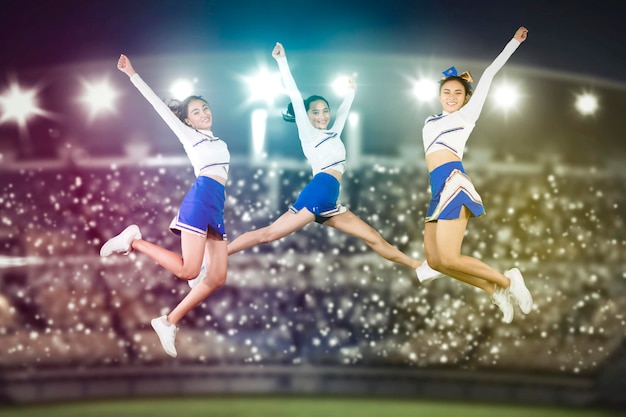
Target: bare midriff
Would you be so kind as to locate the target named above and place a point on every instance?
(438, 158)
(334, 173)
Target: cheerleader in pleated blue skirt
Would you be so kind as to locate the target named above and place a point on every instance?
(454, 198)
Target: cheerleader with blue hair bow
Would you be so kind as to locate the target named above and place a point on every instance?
(454, 198)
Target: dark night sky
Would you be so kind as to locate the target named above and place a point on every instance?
(582, 39)
(585, 37)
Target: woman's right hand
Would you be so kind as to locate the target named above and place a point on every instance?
(124, 65)
(279, 51)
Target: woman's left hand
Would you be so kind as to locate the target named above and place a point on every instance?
(521, 34)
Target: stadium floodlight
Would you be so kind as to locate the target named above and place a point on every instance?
(99, 96)
(587, 104)
(340, 85)
(181, 89)
(264, 86)
(425, 90)
(259, 127)
(353, 118)
(506, 96)
(19, 105)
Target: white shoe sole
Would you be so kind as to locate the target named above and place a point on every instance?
(426, 274)
(163, 337)
(112, 245)
(521, 295)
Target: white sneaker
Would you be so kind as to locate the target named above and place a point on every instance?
(518, 290)
(193, 282)
(121, 243)
(426, 274)
(167, 334)
(502, 299)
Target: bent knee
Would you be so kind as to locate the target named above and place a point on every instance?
(220, 281)
(434, 262)
(188, 273)
(216, 281)
(442, 262)
(447, 262)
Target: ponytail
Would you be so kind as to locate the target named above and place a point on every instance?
(290, 115)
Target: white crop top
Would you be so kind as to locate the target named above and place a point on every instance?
(323, 148)
(450, 131)
(208, 154)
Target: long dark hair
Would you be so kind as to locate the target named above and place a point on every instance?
(181, 108)
(290, 116)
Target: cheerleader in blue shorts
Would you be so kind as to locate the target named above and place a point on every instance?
(326, 153)
(454, 199)
(199, 222)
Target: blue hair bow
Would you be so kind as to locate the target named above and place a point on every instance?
(452, 72)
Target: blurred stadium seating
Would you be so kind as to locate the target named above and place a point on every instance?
(316, 298)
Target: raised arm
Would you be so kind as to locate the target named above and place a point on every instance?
(521, 34)
(472, 109)
(124, 65)
(344, 108)
(290, 84)
(178, 127)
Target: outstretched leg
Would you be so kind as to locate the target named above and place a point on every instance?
(283, 226)
(446, 255)
(217, 265)
(186, 266)
(432, 255)
(352, 225)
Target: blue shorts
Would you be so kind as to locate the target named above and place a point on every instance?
(202, 209)
(319, 197)
(451, 190)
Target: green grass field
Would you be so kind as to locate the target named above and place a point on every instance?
(291, 407)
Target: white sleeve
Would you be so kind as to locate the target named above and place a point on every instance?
(299, 110)
(178, 127)
(472, 109)
(343, 111)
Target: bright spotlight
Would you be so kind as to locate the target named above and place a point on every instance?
(353, 119)
(181, 89)
(19, 105)
(264, 86)
(425, 90)
(99, 97)
(506, 96)
(586, 104)
(340, 85)
(259, 126)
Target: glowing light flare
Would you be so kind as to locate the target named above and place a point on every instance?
(340, 85)
(353, 118)
(264, 86)
(587, 104)
(99, 96)
(19, 105)
(426, 90)
(259, 127)
(506, 96)
(181, 89)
